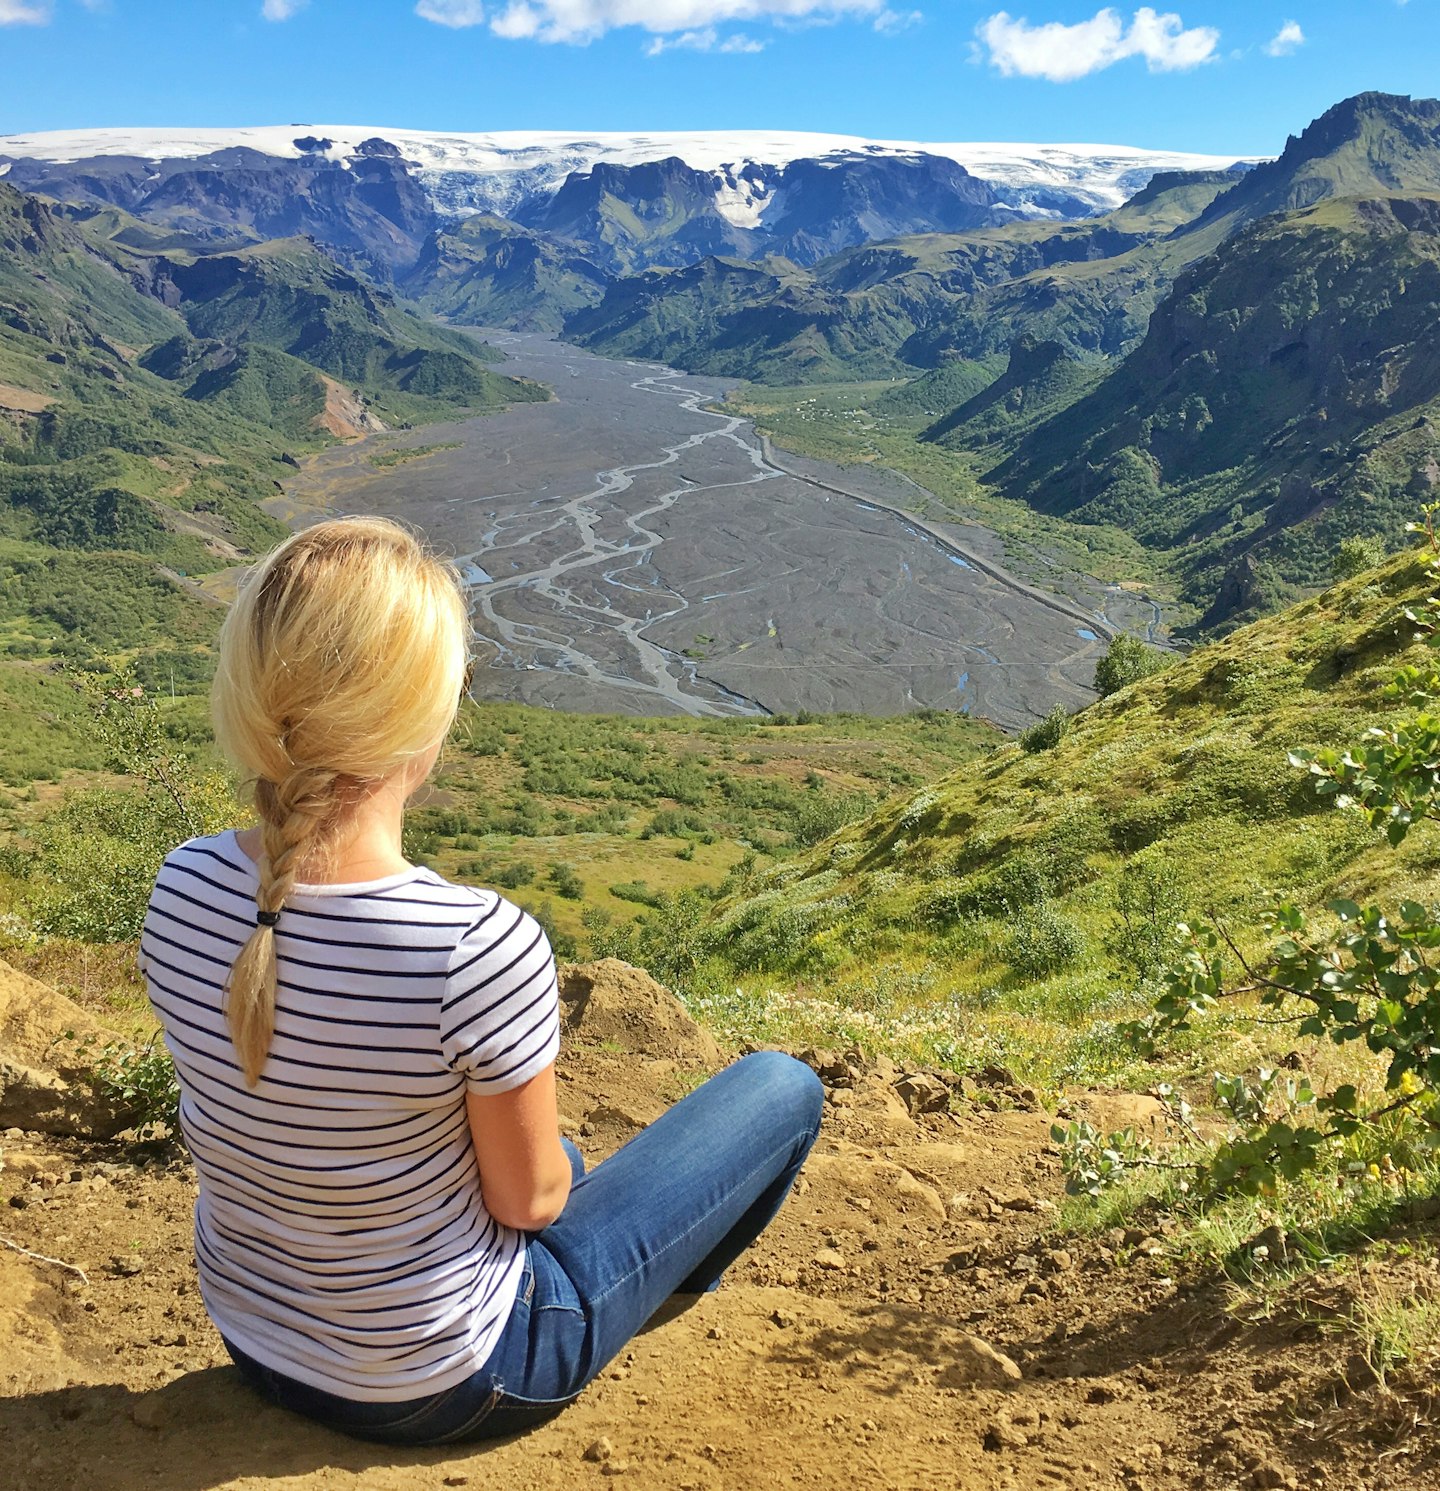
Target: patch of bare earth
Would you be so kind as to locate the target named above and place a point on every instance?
(911, 1321)
(23, 400)
(344, 416)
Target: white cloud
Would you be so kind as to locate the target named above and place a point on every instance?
(581, 21)
(891, 22)
(705, 39)
(1061, 53)
(18, 13)
(1287, 39)
(453, 13)
(281, 10)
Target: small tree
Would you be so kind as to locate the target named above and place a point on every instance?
(1046, 734)
(1356, 554)
(1126, 661)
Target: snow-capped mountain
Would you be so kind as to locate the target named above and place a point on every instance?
(501, 171)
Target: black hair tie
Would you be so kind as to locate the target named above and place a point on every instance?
(266, 918)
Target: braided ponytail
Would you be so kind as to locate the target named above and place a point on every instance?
(340, 662)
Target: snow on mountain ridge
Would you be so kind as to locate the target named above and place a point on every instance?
(496, 171)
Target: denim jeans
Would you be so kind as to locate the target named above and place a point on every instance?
(666, 1214)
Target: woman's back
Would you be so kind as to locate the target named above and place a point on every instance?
(340, 1231)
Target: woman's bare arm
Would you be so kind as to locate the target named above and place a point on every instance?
(524, 1171)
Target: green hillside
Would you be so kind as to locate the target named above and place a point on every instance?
(1285, 397)
(486, 271)
(885, 309)
(150, 399)
(1007, 912)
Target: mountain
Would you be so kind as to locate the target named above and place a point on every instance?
(150, 396)
(373, 197)
(1090, 286)
(1040, 379)
(884, 309)
(488, 271)
(1286, 395)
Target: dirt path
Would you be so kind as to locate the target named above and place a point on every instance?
(912, 1321)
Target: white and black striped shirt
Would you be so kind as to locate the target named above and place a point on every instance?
(339, 1233)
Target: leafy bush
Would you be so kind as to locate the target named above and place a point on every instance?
(566, 882)
(1046, 734)
(1041, 943)
(1356, 554)
(140, 1080)
(1149, 905)
(1126, 661)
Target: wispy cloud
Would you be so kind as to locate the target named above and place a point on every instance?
(891, 22)
(455, 13)
(1061, 53)
(580, 21)
(281, 10)
(1289, 38)
(705, 39)
(19, 13)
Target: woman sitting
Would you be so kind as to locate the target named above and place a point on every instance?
(391, 1235)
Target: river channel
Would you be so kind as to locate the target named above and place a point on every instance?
(630, 547)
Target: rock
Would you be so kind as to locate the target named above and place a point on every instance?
(922, 1093)
(42, 1086)
(833, 1070)
(1059, 1260)
(997, 1076)
(611, 1001)
(976, 1363)
(124, 1267)
(600, 1449)
(830, 1258)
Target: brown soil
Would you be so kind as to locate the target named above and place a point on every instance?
(912, 1320)
(344, 416)
(23, 399)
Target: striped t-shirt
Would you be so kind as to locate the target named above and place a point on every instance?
(339, 1233)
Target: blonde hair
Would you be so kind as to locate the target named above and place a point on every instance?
(342, 660)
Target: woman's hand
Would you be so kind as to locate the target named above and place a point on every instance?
(524, 1171)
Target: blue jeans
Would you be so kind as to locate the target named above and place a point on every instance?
(666, 1214)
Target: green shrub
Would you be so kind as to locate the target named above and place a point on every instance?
(1148, 905)
(1046, 734)
(1126, 661)
(1041, 942)
(566, 882)
(1356, 554)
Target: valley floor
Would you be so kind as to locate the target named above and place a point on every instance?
(914, 1320)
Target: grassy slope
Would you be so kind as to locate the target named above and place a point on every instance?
(137, 440)
(905, 918)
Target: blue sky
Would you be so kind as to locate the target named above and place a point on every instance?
(1210, 75)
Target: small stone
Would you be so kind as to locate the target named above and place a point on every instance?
(830, 1258)
(922, 1093)
(782, 1318)
(600, 1449)
(18, 1202)
(1060, 1260)
(788, 1277)
(615, 1467)
(456, 1480)
(125, 1267)
(715, 1334)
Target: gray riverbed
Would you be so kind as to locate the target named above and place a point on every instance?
(629, 549)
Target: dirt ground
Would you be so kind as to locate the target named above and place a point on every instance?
(913, 1320)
